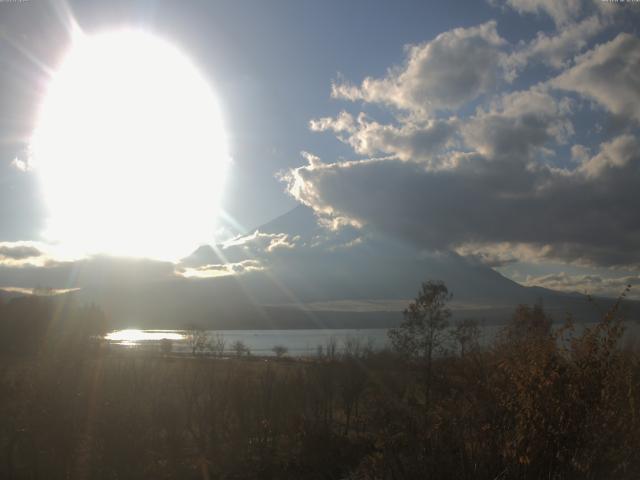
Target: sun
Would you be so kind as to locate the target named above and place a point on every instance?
(129, 149)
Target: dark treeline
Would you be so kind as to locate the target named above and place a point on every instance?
(539, 403)
(35, 324)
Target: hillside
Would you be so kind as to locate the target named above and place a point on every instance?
(321, 279)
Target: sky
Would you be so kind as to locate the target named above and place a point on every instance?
(504, 131)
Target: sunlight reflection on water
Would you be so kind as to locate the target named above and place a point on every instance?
(132, 337)
(260, 342)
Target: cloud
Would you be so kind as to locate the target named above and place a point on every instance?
(608, 74)
(561, 11)
(565, 12)
(590, 284)
(496, 254)
(23, 253)
(49, 272)
(510, 181)
(360, 305)
(518, 124)
(344, 122)
(558, 48)
(478, 203)
(221, 270)
(262, 241)
(615, 155)
(18, 251)
(443, 74)
(576, 23)
(20, 165)
(411, 140)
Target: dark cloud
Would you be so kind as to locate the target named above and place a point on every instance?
(498, 184)
(18, 252)
(92, 271)
(482, 201)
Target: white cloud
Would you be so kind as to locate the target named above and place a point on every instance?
(518, 124)
(411, 140)
(499, 254)
(561, 11)
(265, 242)
(566, 12)
(557, 49)
(20, 164)
(609, 74)
(580, 153)
(344, 122)
(588, 284)
(443, 74)
(616, 154)
(221, 270)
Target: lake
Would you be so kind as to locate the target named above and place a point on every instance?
(298, 342)
(259, 342)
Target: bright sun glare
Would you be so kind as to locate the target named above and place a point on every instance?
(130, 149)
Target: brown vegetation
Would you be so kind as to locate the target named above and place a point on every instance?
(539, 403)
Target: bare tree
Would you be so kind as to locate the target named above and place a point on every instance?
(331, 348)
(217, 344)
(357, 347)
(198, 339)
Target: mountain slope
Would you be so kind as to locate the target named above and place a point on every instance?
(293, 273)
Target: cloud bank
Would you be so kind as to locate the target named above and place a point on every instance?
(470, 164)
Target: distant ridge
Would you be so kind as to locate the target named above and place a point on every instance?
(309, 284)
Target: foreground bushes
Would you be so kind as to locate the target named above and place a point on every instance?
(537, 404)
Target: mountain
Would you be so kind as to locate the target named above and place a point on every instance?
(6, 295)
(294, 273)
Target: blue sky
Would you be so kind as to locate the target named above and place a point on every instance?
(273, 65)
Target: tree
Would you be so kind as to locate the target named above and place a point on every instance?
(218, 344)
(466, 334)
(421, 333)
(240, 348)
(280, 350)
(198, 339)
(528, 324)
(166, 346)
